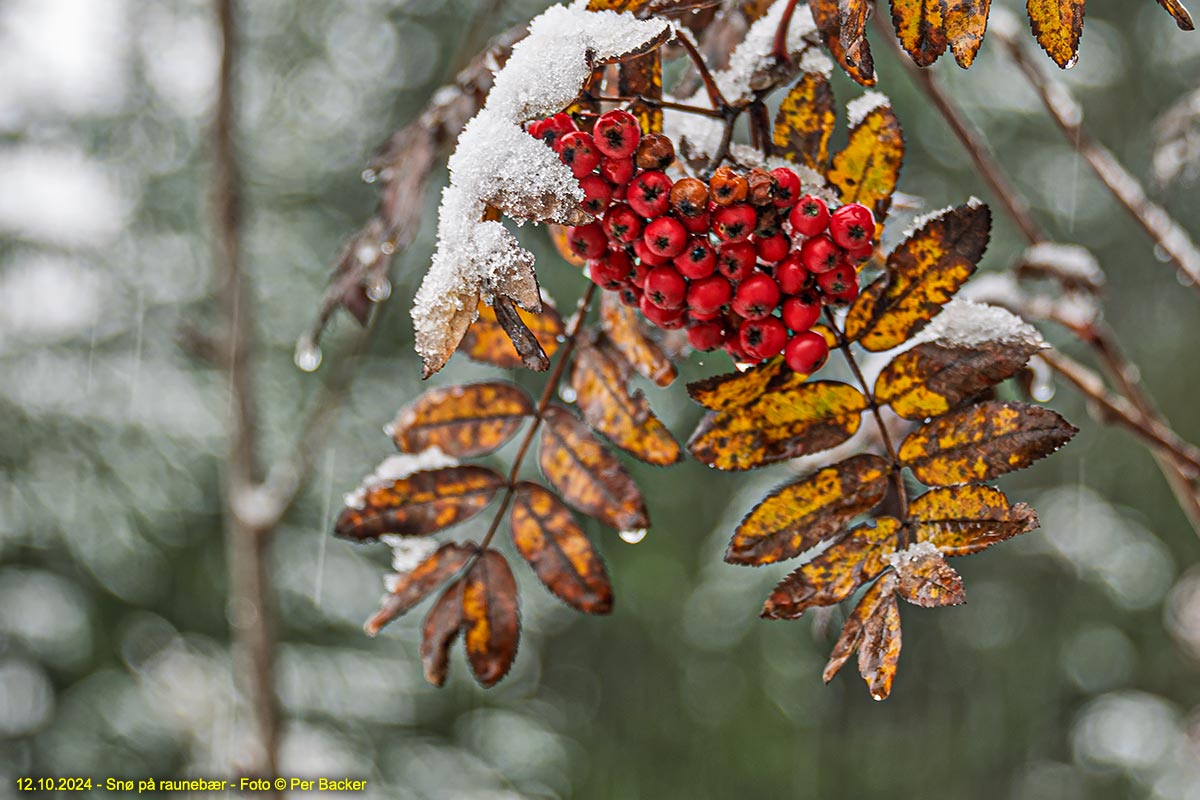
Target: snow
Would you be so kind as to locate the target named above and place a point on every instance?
(858, 108)
(904, 559)
(393, 468)
(963, 323)
(924, 219)
(1069, 260)
(407, 554)
(816, 62)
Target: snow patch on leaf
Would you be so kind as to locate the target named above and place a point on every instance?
(901, 560)
(858, 108)
(963, 323)
(393, 468)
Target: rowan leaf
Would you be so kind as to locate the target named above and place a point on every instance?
(626, 333)
(867, 169)
(933, 378)
(981, 442)
(836, 573)
(463, 421)
(966, 23)
(852, 630)
(779, 425)
(1058, 26)
(1177, 10)
(420, 504)
(586, 474)
(528, 348)
(438, 632)
(599, 376)
(546, 535)
(632, 6)
(735, 389)
(491, 621)
(923, 273)
(879, 650)
(487, 341)
(859, 66)
(642, 77)
(799, 515)
(925, 579)
(418, 583)
(961, 520)
(852, 21)
(805, 122)
(921, 29)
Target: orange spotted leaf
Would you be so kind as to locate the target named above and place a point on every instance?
(852, 19)
(923, 273)
(548, 537)
(860, 65)
(852, 630)
(627, 334)
(879, 650)
(586, 474)
(981, 442)
(420, 504)
(921, 28)
(925, 579)
(801, 514)
(487, 341)
(735, 389)
(868, 168)
(598, 375)
(417, 584)
(836, 573)
(805, 122)
(779, 425)
(1177, 10)
(1058, 26)
(961, 520)
(491, 621)
(464, 421)
(438, 632)
(966, 23)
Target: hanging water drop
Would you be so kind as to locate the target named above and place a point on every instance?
(379, 290)
(633, 536)
(307, 355)
(369, 175)
(387, 248)
(876, 696)
(567, 394)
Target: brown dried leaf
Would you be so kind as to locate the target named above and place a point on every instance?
(852, 19)
(415, 585)
(523, 339)
(923, 273)
(868, 168)
(627, 335)
(438, 632)
(1058, 26)
(735, 389)
(934, 378)
(420, 504)
(487, 341)
(926, 580)
(801, 514)
(966, 23)
(598, 375)
(586, 474)
(491, 621)
(836, 573)
(982, 442)
(852, 630)
(805, 122)
(962, 520)
(546, 534)
(464, 421)
(879, 651)
(642, 77)
(779, 425)
(1177, 10)
(860, 66)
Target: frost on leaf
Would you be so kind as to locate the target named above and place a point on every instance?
(496, 166)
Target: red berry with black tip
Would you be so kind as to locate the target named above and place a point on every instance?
(596, 194)
(650, 193)
(552, 129)
(601, 272)
(735, 260)
(791, 275)
(689, 197)
(837, 280)
(622, 224)
(638, 272)
(617, 171)
(667, 318)
(617, 133)
(698, 260)
(666, 237)
(852, 226)
(587, 241)
(819, 254)
(706, 335)
(578, 151)
(733, 346)
(857, 255)
(806, 352)
(772, 249)
(698, 224)
(642, 251)
(810, 216)
(708, 295)
(800, 313)
(787, 187)
(696, 315)
(630, 296)
(763, 338)
(734, 223)
(666, 288)
(756, 297)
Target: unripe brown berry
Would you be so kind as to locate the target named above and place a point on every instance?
(655, 151)
(690, 197)
(761, 187)
(727, 187)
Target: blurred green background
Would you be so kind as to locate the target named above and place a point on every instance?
(1071, 673)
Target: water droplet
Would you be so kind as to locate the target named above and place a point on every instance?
(369, 175)
(567, 394)
(366, 254)
(1133, 373)
(1042, 389)
(387, 248)
(633, 536)
(379, 290)
(1161, 253)
(876, 696)
(307, 355)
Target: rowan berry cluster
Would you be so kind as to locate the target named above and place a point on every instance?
(744, 262)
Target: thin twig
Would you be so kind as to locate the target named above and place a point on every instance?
(710, 84)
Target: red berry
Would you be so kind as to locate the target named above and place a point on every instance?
(791, 275)
(666, 288)
(587, 241)
(852, 226)
(630, 296)
(707, 295)
(810, 216)
(735, 260)
(806, 352)
(734, 223)
(860, 254)
(617, 171)
(756, 297)
(772, 249)
(622, 224)
(601, 272)
(706, 335)
(837, 281)
(763, 338)
(650, 193)
(662, 317)
(578, 151)
(787, 187)
(696, 315)
(619, 191)
(596, 194)
(819, 254)
(552, 129)
(666, 237)
(638, 272)
(799, 313)
(617, 133)
(620, 264)
(698, 260)
(696, 224)
(650, 259)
